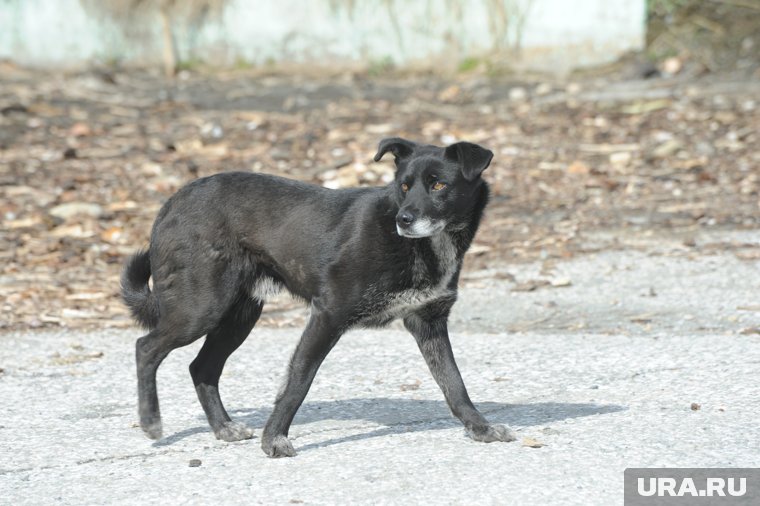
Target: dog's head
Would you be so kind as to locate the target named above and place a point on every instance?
(434, 187)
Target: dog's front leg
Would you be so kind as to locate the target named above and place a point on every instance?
(433, 340)
(317, 340)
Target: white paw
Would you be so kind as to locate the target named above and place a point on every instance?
(234, 431)
(492, 433)
(280, 446)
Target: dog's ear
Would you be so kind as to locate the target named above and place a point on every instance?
(400, 148)
(472, 159)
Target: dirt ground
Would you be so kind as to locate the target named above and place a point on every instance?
(581, 166)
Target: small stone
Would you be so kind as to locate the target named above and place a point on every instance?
(70, 209)
(695, 406)
(212, 131)
(573, 88)
(195, 463)
(346, 177)
(151, 169)
(543, 89)
(518, 93)
(380, 128)
(672, 65)
(667, 148)
(369, 177)
(448, 139)
(620, 158)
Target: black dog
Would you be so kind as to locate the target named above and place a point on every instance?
(360, 257)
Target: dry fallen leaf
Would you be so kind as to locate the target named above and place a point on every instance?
(112, 234)
(80, 130)
(642, 318)
(411, 386)
(578, 167)
(478, 249)
(74, 358)
(532, 443)
(530, 285)
(450, 93)
(87, 296)
(129, 153)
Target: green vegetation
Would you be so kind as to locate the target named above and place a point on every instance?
(189, 65)
(380, 66)
(469, 64)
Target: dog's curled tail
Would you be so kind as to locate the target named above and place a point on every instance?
(142, 303)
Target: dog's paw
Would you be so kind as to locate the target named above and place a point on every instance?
(154, 430)
(279, 446)
(233, 431)
(491, 433)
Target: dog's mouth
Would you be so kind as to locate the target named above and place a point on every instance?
(421, 228)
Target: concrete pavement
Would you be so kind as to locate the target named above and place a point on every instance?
(613, 392)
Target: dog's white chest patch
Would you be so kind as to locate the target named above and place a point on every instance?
(400, 304)
(446, 254)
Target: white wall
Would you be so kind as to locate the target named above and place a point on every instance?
(555, 33)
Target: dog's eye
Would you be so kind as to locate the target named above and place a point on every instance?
(404, 187)
(439, 186)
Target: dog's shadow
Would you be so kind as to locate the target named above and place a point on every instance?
(408, 415)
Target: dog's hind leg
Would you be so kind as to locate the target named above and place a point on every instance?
(207, 366)
(317, 340)
(150, 351)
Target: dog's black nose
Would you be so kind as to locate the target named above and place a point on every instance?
(404, 218)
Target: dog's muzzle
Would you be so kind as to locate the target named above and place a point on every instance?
(408, 225)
